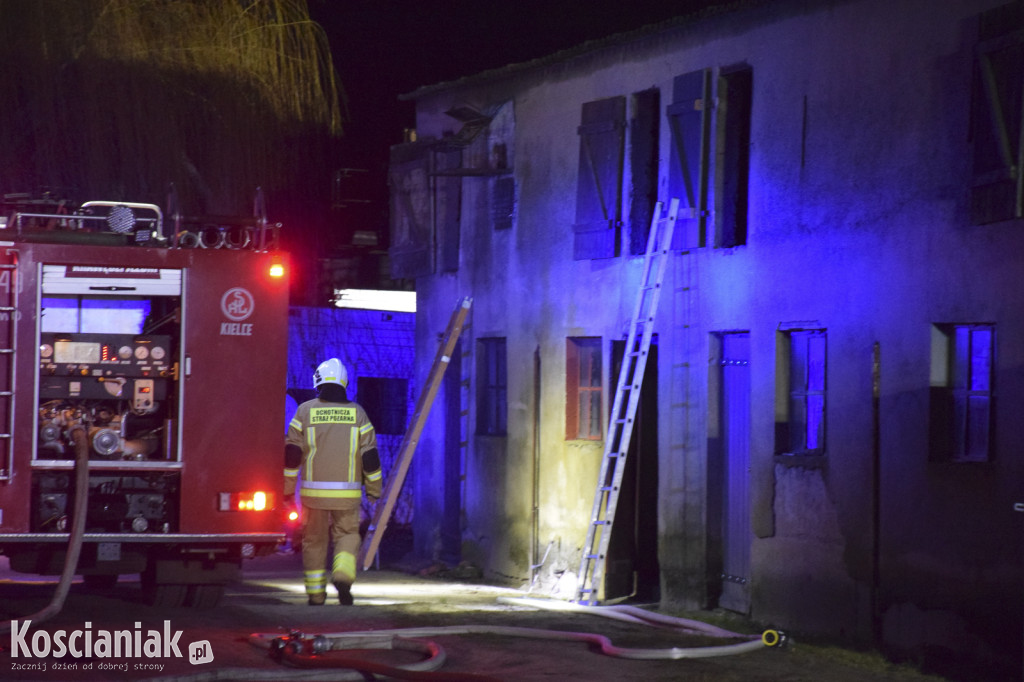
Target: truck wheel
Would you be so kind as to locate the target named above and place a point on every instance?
(164, 594)
(204, 596)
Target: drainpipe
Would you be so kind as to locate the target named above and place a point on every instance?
(535, 487)
(876, 493)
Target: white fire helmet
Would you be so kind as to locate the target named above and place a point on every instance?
(330, 372)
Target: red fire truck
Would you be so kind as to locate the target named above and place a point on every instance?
(156, 362)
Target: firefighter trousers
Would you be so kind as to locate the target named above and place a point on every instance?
(319, 528)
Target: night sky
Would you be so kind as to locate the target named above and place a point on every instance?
(385, 48)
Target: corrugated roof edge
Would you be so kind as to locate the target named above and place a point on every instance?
(583, 48)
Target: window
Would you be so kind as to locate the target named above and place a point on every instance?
(643, 163)
(800, 409)
(386, 401)
(447, 206)
(492, 388)
(961, 392)
(735, 89)
(998, 117)
(599, 181)
(503, 203)
(690, 163)
(583, 389)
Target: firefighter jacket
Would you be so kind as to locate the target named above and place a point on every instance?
(339, 455)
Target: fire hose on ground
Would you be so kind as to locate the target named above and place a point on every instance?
(308, 651)
(80, 439)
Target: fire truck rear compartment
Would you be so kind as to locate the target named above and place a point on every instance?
(118, 503)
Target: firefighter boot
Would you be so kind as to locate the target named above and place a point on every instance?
(344, 594)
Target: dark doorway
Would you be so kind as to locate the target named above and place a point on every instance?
(632, 562)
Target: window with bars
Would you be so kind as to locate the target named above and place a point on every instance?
(583, 389)
(961, 393)
(492, 387)
(800, 420)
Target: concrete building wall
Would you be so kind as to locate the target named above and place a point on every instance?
(858, 225)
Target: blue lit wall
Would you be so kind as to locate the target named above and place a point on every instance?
(860, 225)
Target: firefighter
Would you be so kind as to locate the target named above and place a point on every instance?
(331, 445)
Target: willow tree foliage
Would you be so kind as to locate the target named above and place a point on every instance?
(116, 99)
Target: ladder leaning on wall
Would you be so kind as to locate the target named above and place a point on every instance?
(627, 396)
(396, 477)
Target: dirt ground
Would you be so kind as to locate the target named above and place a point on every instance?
(475, 631)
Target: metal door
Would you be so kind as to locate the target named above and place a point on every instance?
(735, 419)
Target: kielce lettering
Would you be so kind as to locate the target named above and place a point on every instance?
(235, 329)
(94, 644)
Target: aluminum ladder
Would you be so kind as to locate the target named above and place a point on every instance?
(627, 396)
(396, 477)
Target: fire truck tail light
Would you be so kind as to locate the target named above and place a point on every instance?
(247, 501)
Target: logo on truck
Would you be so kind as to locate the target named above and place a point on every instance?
(237, 305)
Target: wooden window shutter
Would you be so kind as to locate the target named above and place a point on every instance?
(599, 181)
(689, 126)
(997, 191)
(572, 389)
(411, 253)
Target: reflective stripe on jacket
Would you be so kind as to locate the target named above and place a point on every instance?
(333, 438)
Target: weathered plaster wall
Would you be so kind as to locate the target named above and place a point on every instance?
(858, 223)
